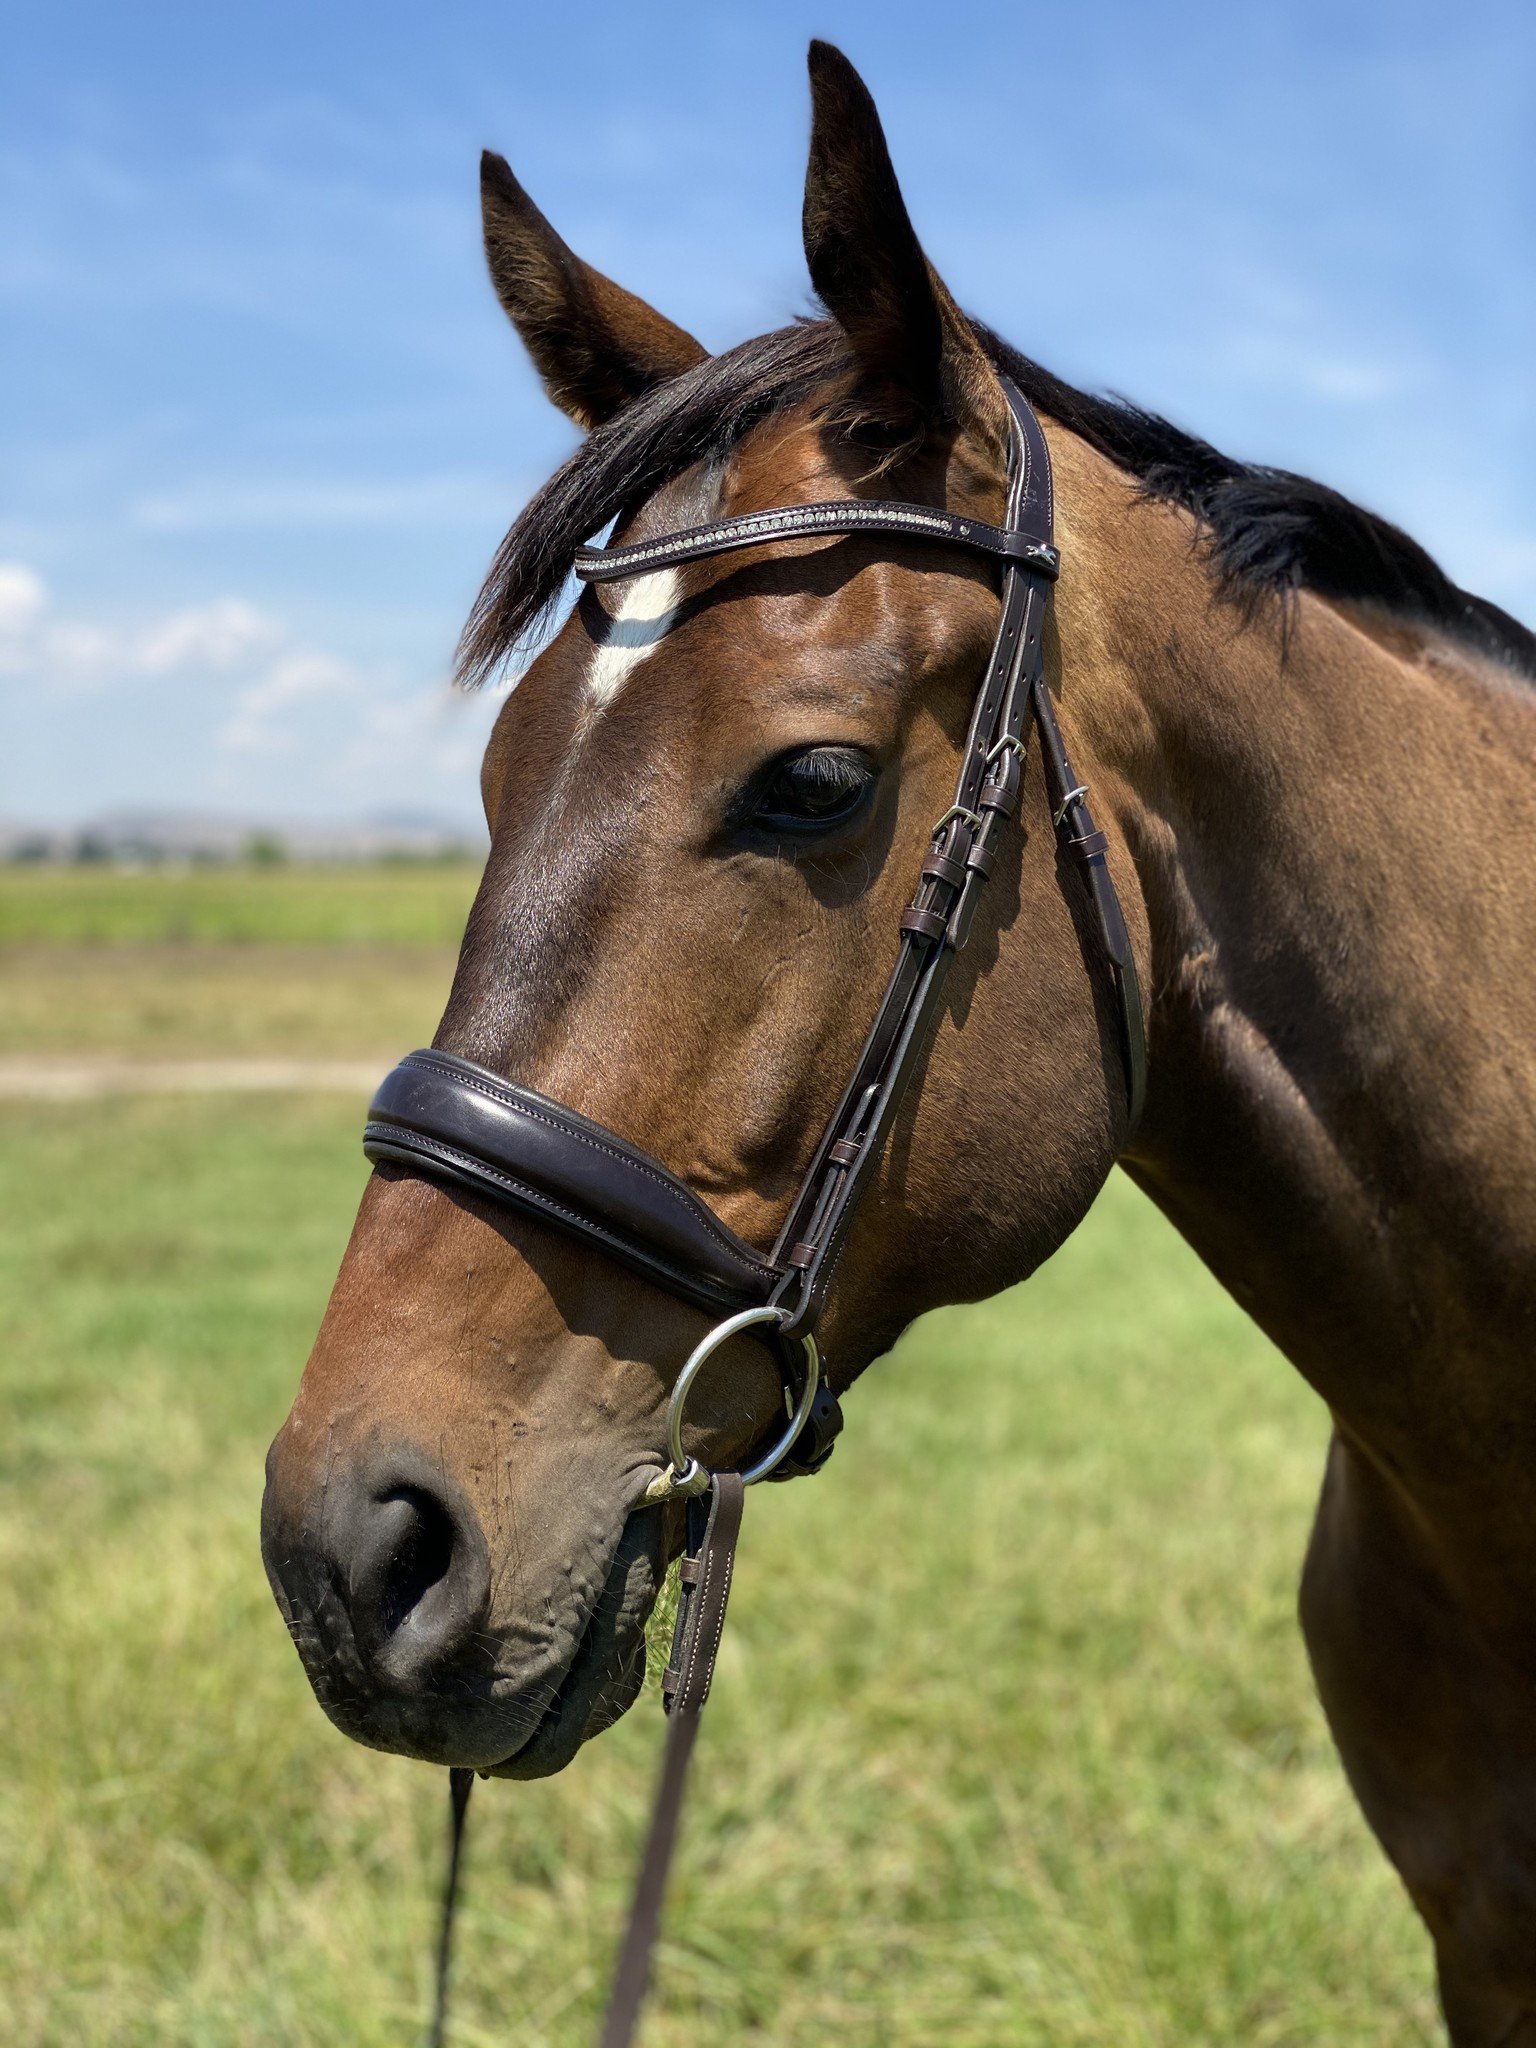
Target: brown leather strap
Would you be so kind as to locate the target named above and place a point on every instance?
(937, 922)
(446, 1118)
(707, 1565)
(1076, 832)
(709, 1558)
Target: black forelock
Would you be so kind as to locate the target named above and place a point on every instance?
(704, 412)
(1267, 533)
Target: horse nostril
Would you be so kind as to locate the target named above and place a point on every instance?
(411, 1567)
(382, 1570)
(419, 1559)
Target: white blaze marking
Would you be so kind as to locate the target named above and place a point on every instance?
(647, 607)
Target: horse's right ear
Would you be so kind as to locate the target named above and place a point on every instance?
(595, 345)
(909, 337)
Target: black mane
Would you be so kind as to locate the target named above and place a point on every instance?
(1268, 533)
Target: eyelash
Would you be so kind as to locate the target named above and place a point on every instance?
(842, 776)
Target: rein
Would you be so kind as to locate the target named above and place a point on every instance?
(450, 1120)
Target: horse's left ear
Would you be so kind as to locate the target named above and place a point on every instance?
(595, 345)
(869, 269)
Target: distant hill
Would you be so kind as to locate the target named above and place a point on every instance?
(153, 836)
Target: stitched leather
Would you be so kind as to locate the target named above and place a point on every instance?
(704, 1592)
(937, 922)
(711, 1546)
(452, 1120)
(808, 522)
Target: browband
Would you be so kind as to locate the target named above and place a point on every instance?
(808, 522)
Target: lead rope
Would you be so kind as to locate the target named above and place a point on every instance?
(460, 1784)
(709, 1556)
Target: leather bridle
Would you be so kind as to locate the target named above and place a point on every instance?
(450, 1120)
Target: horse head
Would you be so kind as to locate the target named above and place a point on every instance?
(708, 799)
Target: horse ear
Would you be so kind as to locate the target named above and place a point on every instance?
(595, 345)
(868, 266)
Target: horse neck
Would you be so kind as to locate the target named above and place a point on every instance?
(1334, 824)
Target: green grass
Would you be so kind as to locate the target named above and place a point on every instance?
(314, 962)
(390, 904)
(224, 1000)
(1012, 1739)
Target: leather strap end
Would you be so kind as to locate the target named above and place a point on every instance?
(704, 1594)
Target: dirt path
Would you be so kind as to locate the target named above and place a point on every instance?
(48, 1078)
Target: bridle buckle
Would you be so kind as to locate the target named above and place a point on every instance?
(971, 818)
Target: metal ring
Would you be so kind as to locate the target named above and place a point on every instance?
(682, 1473)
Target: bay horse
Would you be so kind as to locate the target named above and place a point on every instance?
(707, 797)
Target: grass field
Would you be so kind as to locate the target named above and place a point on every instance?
(317, 962)
(394, 903)
(1012, 1741)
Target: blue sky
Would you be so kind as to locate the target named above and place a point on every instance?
(265, 423)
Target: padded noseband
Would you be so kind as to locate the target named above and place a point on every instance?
(452, 1120)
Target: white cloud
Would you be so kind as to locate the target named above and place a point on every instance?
(217, 636)
(23, 598)
(74, 655)
(68, 655)
(244, 705)
(226, 644)
(261, 722)
(438, 729)
(34, 644)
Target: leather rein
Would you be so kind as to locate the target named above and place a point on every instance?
(447, 1119)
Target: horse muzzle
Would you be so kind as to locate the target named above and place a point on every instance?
(382, 1570)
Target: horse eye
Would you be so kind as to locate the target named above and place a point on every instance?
(812, 791)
